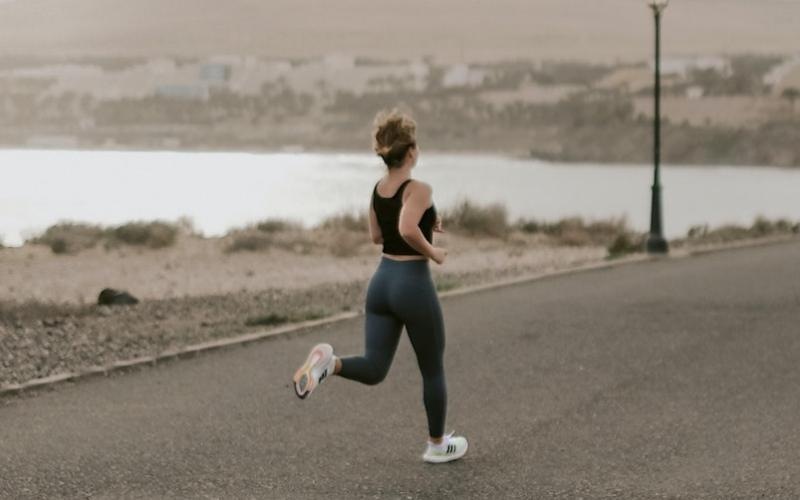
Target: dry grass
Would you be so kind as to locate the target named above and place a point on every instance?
(346, 222)
(761, 227)
(340, 235)
(473, 219)
(614, 234)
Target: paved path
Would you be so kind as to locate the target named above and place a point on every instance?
(666, 379)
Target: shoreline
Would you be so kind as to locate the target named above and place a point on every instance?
(321, 151)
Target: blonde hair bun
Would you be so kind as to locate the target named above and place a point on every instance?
(395, 133)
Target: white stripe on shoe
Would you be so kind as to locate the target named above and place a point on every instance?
(452, 448)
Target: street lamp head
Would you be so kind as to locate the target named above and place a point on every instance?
(658, 5)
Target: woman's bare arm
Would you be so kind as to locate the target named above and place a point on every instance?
(419, 199)
(374, 228)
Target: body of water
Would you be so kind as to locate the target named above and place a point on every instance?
(219, 191)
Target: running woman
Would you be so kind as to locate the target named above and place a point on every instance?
(401, 292)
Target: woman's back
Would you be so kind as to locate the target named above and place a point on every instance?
(387, 210)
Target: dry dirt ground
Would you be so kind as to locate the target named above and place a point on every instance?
(199, 267)
(195, 292)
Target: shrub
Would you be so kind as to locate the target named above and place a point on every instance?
(730, 232)
(529, 226)
(266, 320)
(344, 234)
(764, 227)
(574, 231)
(476, 220)
(346, 243)
(155, 234)
(276, 225)
(698, 231)
(625, 243)
(69, 238)
(346, 222)
(250, 241)
(266, 235)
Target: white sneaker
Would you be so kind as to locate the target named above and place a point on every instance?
(451, 448)
(319, 365)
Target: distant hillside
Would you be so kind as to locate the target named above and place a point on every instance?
(465, 30)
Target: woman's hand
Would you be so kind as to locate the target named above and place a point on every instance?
(439, 254)
(437, 227)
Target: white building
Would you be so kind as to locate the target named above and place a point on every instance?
(461, 75)
(785, 75)
(681, 66)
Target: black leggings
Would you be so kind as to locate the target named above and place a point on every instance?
(402, 293)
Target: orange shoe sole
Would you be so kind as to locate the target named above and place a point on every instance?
(304, 381)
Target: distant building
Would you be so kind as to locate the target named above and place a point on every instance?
(631, 79)
(215, 73)
(682, 66)
(695, 92)
(784, 76)
(461, 75)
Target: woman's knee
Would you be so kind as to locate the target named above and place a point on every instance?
(432, 370)
(377, 372)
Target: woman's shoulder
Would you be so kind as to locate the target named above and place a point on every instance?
(418, 184)
(419, 188)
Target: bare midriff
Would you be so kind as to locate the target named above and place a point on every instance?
(404, 257)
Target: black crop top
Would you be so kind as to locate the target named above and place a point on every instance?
(388, 212)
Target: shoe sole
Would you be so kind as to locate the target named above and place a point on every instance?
(445, 459)
(304, 383)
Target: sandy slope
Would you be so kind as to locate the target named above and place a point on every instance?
(200, 267)
(453, 30)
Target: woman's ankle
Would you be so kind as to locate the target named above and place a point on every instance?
(337, 365)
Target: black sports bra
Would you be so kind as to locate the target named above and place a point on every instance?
(388, 212)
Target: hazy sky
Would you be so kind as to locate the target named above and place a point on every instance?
(463, 30)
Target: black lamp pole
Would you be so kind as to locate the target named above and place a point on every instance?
(656, 243)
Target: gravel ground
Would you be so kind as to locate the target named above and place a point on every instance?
(38, 339)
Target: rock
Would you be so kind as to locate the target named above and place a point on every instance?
(111, 297)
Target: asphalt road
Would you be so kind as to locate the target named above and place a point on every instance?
(666, 379)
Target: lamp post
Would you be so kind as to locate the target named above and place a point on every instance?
(656, 243)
